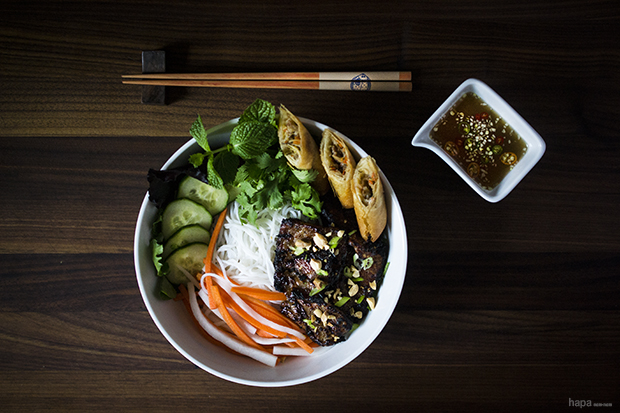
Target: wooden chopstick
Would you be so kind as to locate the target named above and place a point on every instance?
(314, 76)
(377, 86)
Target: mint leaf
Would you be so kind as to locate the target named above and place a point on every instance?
(198, 132)
(226, 164)
(259, 111)
(197, 159)
(252, 138)
(214, 178)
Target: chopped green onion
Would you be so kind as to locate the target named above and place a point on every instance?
(341, 302)
(367, 263)
(362, 264)
(333, 242)
(352, 232)
(315, 291)
(358, 279)
(307, 321)
(322, 273)
(359, 300)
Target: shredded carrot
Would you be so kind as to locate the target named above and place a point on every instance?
(268, 314)
(302, 344)
(224, 302)
(219, 298)
(259, 293)
(184, 294)
(229, 302)
(214, 235)
(271, 313)
(209, 266)
(262, 333)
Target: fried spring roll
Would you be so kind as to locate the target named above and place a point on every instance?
(369, 199)
(339, 165)
(300, 149)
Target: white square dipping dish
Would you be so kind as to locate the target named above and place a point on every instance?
(535, 144)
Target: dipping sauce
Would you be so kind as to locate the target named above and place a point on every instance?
(479, 140)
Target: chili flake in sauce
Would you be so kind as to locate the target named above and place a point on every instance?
(479, 140)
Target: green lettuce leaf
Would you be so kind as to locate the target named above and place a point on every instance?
(166, 289)
(157, 249)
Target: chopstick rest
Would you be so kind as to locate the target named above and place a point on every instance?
(154, 62)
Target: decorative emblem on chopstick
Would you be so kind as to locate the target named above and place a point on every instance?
(360, 82)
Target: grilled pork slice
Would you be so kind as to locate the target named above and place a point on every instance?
(308, 258)
(324, 323)
(327, 275)
(366, 266)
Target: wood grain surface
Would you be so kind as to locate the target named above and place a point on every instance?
(506, 307)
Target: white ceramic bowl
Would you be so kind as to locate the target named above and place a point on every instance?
(176, 325)
(535, 144)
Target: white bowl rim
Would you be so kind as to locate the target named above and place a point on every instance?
(536, 145)
(397, 271)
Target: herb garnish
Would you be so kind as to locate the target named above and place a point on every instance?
(253, 167)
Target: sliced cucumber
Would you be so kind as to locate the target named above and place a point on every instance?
(181, 213)
(190, 257)
(185, 236)
(213, 199)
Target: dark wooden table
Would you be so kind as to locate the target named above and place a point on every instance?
(511, 306)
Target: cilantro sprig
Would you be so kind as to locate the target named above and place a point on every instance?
(268, 181)
(253, 167)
